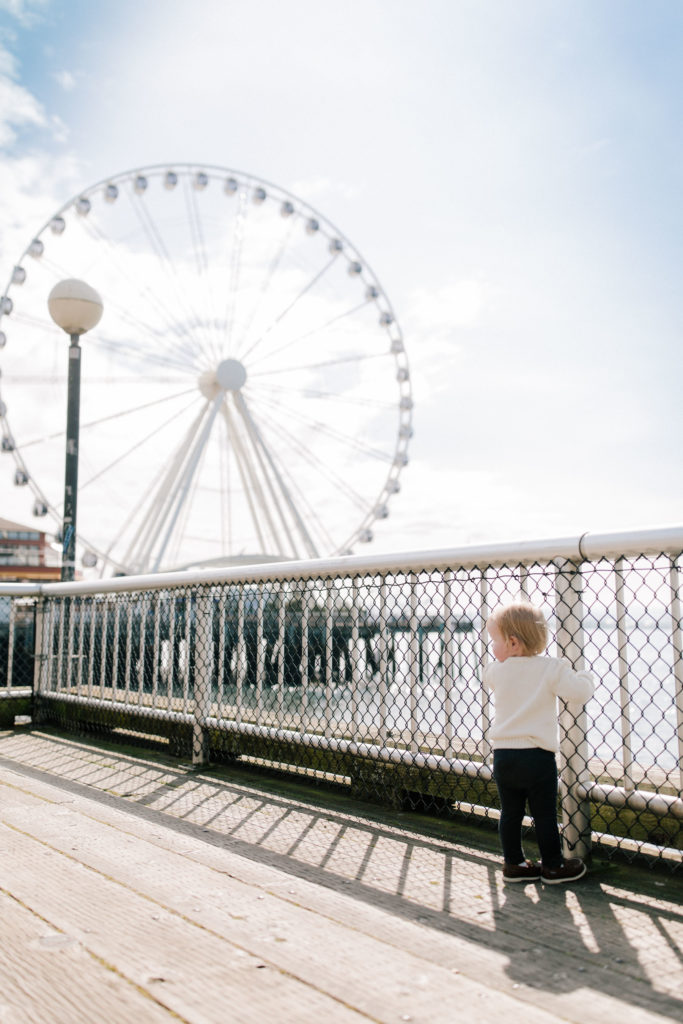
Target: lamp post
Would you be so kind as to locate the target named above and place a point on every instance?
(76, 308)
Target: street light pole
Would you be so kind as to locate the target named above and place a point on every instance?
(71, 466)
(76, 308)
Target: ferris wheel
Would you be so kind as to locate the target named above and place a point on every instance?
(246, 395)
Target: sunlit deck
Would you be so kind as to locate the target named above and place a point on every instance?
(136, 888)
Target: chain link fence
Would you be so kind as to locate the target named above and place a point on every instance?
(17, 638)
(369, 674)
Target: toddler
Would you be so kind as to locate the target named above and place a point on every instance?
(525, 739)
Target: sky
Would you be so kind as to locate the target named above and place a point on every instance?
(511, 172)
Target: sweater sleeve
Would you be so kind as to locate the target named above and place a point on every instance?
(576, 687)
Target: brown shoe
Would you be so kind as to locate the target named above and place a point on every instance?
(568, 871)
(526, 872)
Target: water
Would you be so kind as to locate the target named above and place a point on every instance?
(650, 686)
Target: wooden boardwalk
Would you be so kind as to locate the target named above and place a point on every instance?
(133, 888)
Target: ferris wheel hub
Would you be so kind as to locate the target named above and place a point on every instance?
(229, 375)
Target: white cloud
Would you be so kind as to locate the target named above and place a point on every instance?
(439, 310)
(60, 131)
(33, 184)
(8, 64)
(65, 79)
(313, 188)
(18, 109)
(26, 12)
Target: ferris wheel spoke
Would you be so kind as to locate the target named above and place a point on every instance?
(177, 294)
(238, 234)
(269, 277)
(43, 324)
(142, 330)
(146, 296)
(83, 485)
(280, 317)
(317, 425)
(197, 233)
(199, 247)
(280, 432)
(319, 365)
(135, 447)
(178, 341)
(179, 334)
(315, 523)
(317, 331)
(143, 357)
(60, 380)
(312, 459)
(114, 416)
(275, 389)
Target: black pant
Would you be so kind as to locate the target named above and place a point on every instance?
(521, 775)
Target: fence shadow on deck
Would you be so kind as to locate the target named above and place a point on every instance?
(619, 932)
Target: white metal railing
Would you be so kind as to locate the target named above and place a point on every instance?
(381, 658)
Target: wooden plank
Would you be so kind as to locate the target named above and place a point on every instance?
(34, 961)
(175, 961)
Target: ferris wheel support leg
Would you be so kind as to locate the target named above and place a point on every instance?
(180, 494)
(241, 469)
(259, 451)
(138, 552)
(260, 445)
(246, 469)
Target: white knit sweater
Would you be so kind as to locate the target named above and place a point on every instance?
(525, 692)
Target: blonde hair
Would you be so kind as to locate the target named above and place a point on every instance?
(524, 621)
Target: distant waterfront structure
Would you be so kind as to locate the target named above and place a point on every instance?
(26, 554)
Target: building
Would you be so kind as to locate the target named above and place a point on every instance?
(26, 555)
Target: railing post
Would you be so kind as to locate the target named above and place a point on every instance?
(450, 685)
(352, 653)
(677, 644)
(41, 647)
(624, 685)
(383, 627)
(486, 709)
(10, 641)
(203, 668)
(414, 671)
(573, 726)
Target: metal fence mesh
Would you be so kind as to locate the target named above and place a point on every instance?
(16, 643)
(375, 680)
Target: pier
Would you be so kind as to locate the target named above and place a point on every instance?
(136, 887)
(247, 795)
